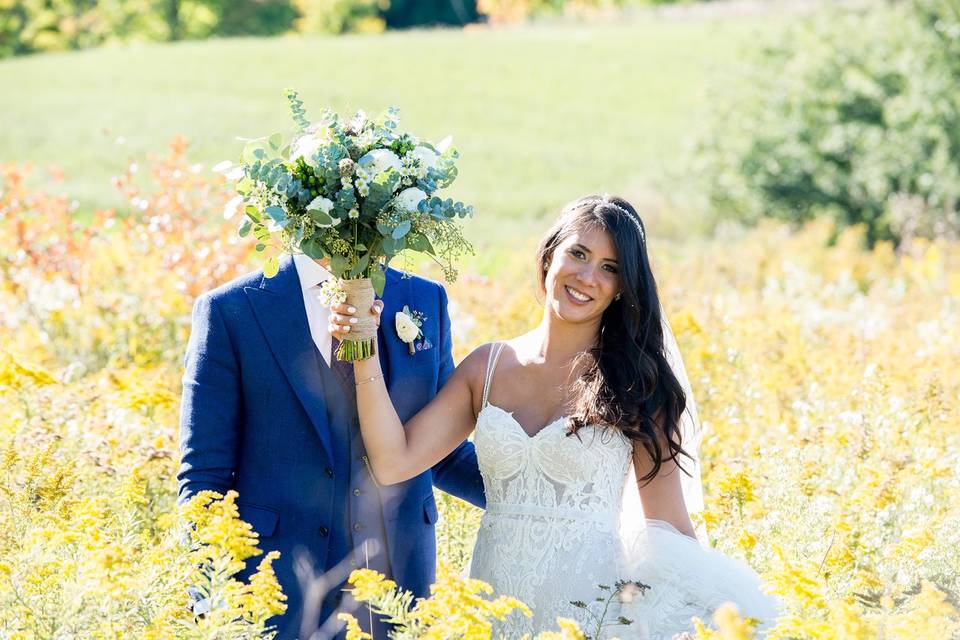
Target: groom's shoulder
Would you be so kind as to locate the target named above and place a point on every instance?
(417, 285)
(232, 292)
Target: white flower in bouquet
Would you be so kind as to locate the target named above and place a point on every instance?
(407, 329)
(305, 147)
(320, 204)
(409, 199)
(379, 160)
(427, 157)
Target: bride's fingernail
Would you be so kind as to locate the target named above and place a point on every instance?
(351, 310)
(353, 321)
(346, 329)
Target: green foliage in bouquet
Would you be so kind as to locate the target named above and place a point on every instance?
(355, 193)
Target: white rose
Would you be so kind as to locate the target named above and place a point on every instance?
(305, 147)
(406, 328)
(320, 203)
(379, 160)
(427, 157)
(409, 199)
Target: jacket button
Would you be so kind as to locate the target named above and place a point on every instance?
(357, 526)
(324, 531)
(356, 492)
(329, 472)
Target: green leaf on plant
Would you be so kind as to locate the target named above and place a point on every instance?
(381, 191)
(321, 218)
(360, 266)
(245, 228)
(419, 242)
(379, 280)
(276, 213)
(312, 247)
(338, 266)
(402, 229)
(271, 267)
(392, 246)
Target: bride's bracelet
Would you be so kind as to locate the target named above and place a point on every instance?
(370, 379)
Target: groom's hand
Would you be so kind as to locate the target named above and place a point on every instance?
(342, 316)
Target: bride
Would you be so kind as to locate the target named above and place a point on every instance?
(586, 436)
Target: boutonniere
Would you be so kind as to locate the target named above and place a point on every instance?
(408, 325)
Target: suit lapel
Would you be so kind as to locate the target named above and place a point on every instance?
(385, 338)
(279, 309)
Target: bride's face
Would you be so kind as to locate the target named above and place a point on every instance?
(582, 278)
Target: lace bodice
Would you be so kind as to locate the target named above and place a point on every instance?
(551, 473)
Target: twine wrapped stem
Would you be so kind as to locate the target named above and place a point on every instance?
(363, 335)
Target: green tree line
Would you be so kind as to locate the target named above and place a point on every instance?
(28, 26)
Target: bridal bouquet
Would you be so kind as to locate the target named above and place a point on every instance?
(354, 193)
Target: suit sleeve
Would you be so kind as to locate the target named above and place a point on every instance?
(457, 474)
(210, 407)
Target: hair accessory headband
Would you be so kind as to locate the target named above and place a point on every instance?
(632, 218)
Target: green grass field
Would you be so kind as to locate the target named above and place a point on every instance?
(540, 114)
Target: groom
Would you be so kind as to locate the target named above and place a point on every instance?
(268, 411)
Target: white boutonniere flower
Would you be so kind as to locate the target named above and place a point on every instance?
(408, 325)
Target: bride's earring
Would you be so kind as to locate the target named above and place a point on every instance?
(617, 297)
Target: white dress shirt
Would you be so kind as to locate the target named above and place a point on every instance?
(318, 316)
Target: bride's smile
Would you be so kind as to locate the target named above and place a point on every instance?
(582, 278)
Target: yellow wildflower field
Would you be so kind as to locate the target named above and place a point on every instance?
(827, 378)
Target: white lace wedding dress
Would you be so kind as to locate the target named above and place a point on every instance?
(551, 536)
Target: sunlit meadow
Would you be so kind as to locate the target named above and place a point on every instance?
(827, 377)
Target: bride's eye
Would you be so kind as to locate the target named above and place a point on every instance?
(576, 253)
(612, 269)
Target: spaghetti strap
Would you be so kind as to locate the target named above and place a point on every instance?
(491, 364)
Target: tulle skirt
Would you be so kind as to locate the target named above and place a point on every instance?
(686, 579)
(557, 566)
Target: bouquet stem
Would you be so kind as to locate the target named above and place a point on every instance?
(356, 350)
(362, 343)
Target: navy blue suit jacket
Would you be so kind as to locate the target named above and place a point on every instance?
(254, 418)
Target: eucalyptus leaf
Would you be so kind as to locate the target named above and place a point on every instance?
(245, 228)
(392, 246)
(276, 213)
(338, 266)
(402, 229)
(276, 141)
(321, 218)
(360, 266)
(312, 247)
(419, 242)
(253, 213)
(379, 280)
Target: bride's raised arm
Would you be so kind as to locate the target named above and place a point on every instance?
(398, 451)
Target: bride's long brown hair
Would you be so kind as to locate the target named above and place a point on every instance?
(627, 382)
